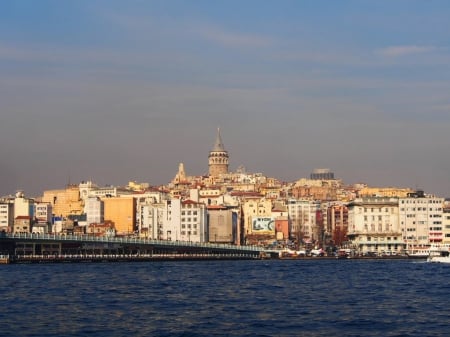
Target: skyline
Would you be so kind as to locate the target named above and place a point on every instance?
(111, 91)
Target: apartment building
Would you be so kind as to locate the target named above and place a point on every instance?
(150, 220)
(64, 202)
(222, 224)
(337, 223)
(303, 219)
(6, 217)
(23, 206)
(186, 220)
(43, 214)
(373, 225)
(95, 210)
(446, 222)
(421, 219)
(121, 211)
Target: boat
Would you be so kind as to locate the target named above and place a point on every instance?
(424, 252)
(441, 256)
(4, 259)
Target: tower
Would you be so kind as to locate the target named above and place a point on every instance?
(218, 158)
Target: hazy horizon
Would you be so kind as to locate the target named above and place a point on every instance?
(113, 91)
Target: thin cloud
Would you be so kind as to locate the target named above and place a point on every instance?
(398, 51)
(228, 39)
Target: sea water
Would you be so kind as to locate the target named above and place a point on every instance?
(226, 298)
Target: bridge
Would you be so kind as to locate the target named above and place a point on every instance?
(32, 247)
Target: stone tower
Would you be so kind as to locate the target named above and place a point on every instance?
(218, 158)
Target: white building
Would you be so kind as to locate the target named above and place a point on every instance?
(185, 221)
(150, 220)
(43, 212)
(89, 189)
(421, 219)
(373, 225)
(23, 206)
(94, 209)
(303, 218)
(6, 217)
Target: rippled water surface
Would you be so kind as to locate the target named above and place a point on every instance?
(226, 298)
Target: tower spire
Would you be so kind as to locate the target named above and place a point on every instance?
(218, 145)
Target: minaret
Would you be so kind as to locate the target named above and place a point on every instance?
(218, 158)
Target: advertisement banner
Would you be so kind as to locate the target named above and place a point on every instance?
(263, 225)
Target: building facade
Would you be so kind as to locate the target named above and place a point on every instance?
(421, 219)
(43, 213)
(6, 217)
(65, 202)
(121, 211)
(303, 219)
(221, 224)
(94, 209)
(373, 225)
(337, 223)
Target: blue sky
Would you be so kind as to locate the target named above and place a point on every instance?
(114, 91)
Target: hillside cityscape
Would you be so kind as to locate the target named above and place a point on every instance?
(239, 208)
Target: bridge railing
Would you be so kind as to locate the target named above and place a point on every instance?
(127, 240)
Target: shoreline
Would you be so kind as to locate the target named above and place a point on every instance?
(180, 257)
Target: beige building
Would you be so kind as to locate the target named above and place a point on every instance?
(258, 221)
(121, 211)
(65, 202)
(22, 224)
(374, 225)
(220, 224)
(22, 206)
(384, 192)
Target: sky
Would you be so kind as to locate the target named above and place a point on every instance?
(113, 91)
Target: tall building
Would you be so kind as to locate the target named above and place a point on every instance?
(121, 211)
(303, 219)
(94, 209)
(23, 206)
(373, 225)
(218, 158)
(64, 202)
(421, 219)
(6, 216)
(185, 220)
(445, 222)
(337, 223)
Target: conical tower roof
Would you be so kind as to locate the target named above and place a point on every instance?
(218, 145)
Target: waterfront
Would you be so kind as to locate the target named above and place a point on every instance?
(226, 298)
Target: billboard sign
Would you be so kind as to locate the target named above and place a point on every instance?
(263, 225)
